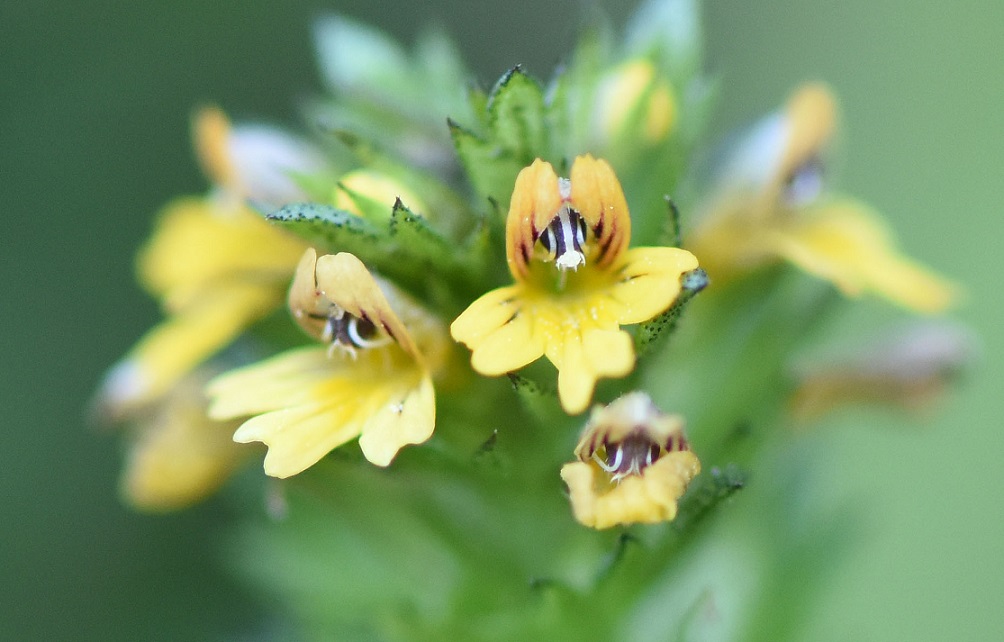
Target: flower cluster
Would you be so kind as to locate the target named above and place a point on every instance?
(529, 221)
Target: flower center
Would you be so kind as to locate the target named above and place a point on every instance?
(628, 457)
(634, 453)
(563, 239)
(348, 332)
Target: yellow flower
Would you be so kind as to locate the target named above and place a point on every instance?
(634, 464)
(635, 91)
(771, 208)
(216, 266)
(576, 282)
(372, 381)
(180, 456)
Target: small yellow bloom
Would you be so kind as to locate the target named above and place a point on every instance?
(372, 380)
(772, 208)
(180, 456)
(368, 185)
(576, 282)
(635, 90)
(215, 265)
(634, 464)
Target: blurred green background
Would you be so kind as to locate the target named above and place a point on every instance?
(94, 102)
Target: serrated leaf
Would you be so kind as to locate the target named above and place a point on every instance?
(708, 491)
(478, 101)
(490, 169)
(329, 228)
(415, 238)
(516, 116)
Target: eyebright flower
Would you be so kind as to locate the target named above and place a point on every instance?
(633, 465)
(216, 266)
(771, 207)
(370, 380)
(179, 456)
(576, 282)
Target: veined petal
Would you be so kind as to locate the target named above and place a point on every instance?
(650, 281)
(577, 288)
(536, 198)
(175, 346)
(409, 419)
(846, 244)
(634, 464)
(345, 281)
(487, 314)
(597, 195)
(314, 399)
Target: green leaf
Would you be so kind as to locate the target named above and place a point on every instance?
(329, 228)
(490, 169)
(415, 239)
(516, 116)
(706, 492)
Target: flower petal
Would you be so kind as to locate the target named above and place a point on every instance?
(298, 437)
(284, 380)
(586, 356)
(198, 243)
(647, 499)
(345, 281)
(536, 198)
(487, 314)
(400, 422)
(599, 199)
(180, 456)
(847, 244)
(509, 348)
(650, 281)
(175, 346)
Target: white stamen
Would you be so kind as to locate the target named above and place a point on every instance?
(565, 188)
